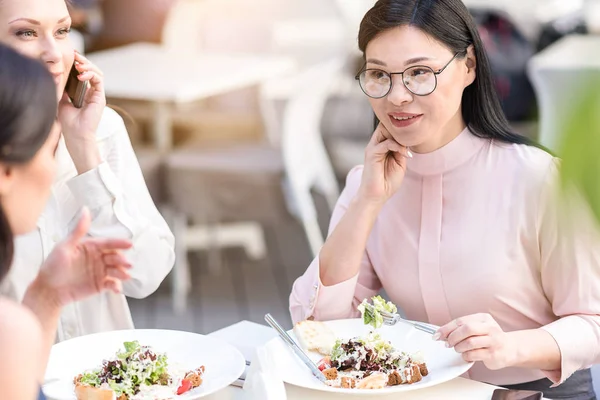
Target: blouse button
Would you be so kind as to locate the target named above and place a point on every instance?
(55, 238)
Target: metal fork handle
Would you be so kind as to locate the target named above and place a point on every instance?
(394, 318)
(424, 328)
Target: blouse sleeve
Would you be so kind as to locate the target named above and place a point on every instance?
(121, 207)
(311, 299)
(570, 269)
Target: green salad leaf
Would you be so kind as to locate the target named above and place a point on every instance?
(382, 305)
(91, 378)
(337, 350)
(380, 346)
(371, 313)
(130, 348)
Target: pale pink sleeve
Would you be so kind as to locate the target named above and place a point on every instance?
(311, 299)
(570, 270)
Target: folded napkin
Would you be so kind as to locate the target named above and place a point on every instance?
(262, 378)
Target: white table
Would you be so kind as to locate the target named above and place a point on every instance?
(163, 76)
(557, 73)
(457, 389)
(247, 336)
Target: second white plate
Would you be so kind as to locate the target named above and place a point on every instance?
(223, 362)
(443, 364)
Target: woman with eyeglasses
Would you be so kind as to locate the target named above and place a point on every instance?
(78, 267)
(456, 216)
(96, 167)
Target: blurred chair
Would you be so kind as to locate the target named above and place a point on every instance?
(231, 191)
(306, 161)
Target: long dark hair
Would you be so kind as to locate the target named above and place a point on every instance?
(449, 22)
(28, 109)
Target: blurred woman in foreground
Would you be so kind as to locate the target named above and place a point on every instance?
(78, 267)
(96, 168)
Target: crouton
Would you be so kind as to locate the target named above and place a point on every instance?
(195, 377)
(394, 379)
(348, 383)
(330, 373)
(413, 374)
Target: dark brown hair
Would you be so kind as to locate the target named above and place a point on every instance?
(28, 109)
(449, 22)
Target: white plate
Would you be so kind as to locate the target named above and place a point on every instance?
(223, 362)
(443, 364)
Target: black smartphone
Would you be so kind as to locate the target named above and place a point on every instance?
(506, 394)
(75, 88)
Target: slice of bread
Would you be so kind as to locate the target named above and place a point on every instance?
(376, 380)
(315, 336)
(86, 392)
(83, 392)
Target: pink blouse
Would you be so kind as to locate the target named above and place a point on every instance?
(473, 229)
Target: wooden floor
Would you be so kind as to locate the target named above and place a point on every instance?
(241, 289)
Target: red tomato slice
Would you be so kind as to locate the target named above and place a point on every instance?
(324, 364)
(186, 385)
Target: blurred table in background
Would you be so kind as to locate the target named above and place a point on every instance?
(558, 73)
(165, 77)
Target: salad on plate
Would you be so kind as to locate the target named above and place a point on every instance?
(362, 362)
(370, 362)
(137, 373)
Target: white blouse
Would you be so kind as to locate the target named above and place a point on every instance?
(117, 197)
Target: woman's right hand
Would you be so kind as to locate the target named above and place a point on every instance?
(384, 167)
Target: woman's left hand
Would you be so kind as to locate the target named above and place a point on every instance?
(80, 124)
(82, 266)
(478, 337)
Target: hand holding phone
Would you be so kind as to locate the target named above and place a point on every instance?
(75, 88)
(506, 394)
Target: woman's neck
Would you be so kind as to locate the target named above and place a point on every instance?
(447, 134)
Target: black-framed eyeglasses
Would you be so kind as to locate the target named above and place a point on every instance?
(420, 80)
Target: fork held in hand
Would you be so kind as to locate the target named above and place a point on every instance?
(392, 318)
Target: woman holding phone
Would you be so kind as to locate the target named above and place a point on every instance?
(78, 267)
(96, 167)
(456, 216)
